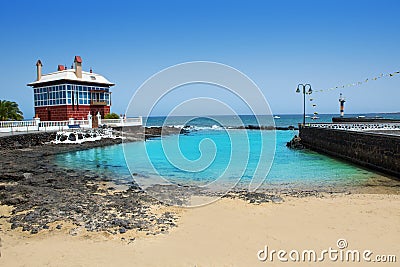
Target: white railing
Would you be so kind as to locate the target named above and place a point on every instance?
(81, 122)
(48, 124)
(358, 126)
(123, 122)
(137, 120)
(37, 125)
(106, 121)
(18, 126)
(8, 124)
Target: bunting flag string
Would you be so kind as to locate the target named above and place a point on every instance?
(313, 105)
(360, 82)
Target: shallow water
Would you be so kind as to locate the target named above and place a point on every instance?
(212, 152)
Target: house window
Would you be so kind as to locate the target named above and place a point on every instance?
(70, 94)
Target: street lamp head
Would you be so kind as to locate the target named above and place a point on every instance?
(310, 91)
(298, 90)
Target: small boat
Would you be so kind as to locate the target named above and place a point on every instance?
(276, 117)
(314, 117)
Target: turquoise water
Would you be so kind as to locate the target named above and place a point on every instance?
(209, 152)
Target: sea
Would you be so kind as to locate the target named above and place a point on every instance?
(215, 152)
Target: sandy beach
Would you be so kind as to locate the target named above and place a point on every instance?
(229, 232)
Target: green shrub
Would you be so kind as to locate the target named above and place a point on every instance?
(111, 116)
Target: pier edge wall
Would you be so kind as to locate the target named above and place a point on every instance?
(375, 151)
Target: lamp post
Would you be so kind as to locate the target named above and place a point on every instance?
(309, 91)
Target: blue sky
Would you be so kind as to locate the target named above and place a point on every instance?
(278, 44)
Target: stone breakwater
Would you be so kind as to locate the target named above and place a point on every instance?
(262, 127)
(376, 151)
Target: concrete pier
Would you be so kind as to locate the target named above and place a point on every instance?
(375, 146)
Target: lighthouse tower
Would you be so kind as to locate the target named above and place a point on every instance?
(341, 100)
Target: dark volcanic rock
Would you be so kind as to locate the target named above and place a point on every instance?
(43, 193)
(295, 143)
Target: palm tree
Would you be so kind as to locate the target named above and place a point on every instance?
(9, 110)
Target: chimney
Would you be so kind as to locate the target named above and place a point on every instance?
(60, 67)
(39, 70)
(78, 66)
(91, 71)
